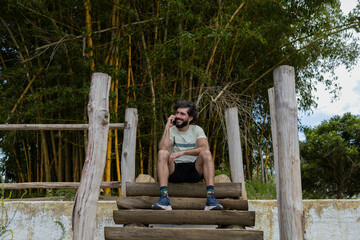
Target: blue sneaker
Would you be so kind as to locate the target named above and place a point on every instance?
(162, 204)
(212, 203)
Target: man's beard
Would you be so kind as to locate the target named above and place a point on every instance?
(181, 125)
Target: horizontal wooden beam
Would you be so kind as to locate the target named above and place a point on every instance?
(222, 190)
(180, 217)
(141, 233)
(52, 185)
(56, 126)
(37, 199)
(145, 202)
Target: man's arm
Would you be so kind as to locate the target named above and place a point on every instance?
(202, 145)
(165, 141)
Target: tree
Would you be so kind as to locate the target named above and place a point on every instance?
(330, 158)
(218, 53)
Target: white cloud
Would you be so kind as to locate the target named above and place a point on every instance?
(348, 5)
(350, 94)
(348, 101)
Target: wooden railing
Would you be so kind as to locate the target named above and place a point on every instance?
(85, 203)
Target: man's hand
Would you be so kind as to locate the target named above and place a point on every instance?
(170, 121)
(175, 155)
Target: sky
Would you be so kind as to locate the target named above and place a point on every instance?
(349, 100)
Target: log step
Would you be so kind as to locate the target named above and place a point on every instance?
(180, 217)
(119, 233)
(145, 202)
(195, 190)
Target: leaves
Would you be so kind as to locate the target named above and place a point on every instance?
(217, 53)
(330, 158)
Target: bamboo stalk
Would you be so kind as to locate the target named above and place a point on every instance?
(107, 171)
(23, 94)
(55, 159)
(116, 140)
(45, 153)
(60, 163)
(129, 70)
(88, 33)
(153, 97)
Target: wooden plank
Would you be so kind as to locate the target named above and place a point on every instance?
(234, 143)
(54, 185)
(222, 190)
(55, 126)
(180, 217)
(57, 198)
(145, 202)
(84, 211)
(119, 233)
(129, 148)
(290, 197)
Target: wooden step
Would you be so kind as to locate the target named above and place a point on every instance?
(196, 190)
(119, 233)
(180, 217)
(145, 202)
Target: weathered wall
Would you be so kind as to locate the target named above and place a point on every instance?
(324, 219)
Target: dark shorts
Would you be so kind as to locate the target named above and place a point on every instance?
(185, 172)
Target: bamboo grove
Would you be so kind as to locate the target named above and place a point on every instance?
(219, 53)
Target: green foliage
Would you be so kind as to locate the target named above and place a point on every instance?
(68, 193)
(257, 190)
(330, 158)
(212, 52)
(223, 169)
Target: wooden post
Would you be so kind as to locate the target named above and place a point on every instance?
(271, 93)
(129, 149)
(291, 213)
(84, 211)
(235, 153)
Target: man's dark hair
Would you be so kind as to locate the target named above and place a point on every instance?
(187, 104)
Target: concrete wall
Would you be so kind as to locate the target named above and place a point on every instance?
(324, 219)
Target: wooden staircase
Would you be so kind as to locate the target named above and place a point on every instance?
(187, 201)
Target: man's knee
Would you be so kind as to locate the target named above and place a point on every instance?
(163, 156)
(163, 153)
(205, 155)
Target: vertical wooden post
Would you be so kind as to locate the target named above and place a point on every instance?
(129, 149)
(271, 93)
(235, 152)
(290, 197)
(84, 211)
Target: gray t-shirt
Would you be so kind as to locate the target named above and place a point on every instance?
(184, 141)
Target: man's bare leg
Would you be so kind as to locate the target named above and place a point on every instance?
(165, 167)
(205, 166)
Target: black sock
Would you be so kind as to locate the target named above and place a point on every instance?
(164, 190)
(210, 189)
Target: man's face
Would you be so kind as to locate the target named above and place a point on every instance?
(182, 117)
